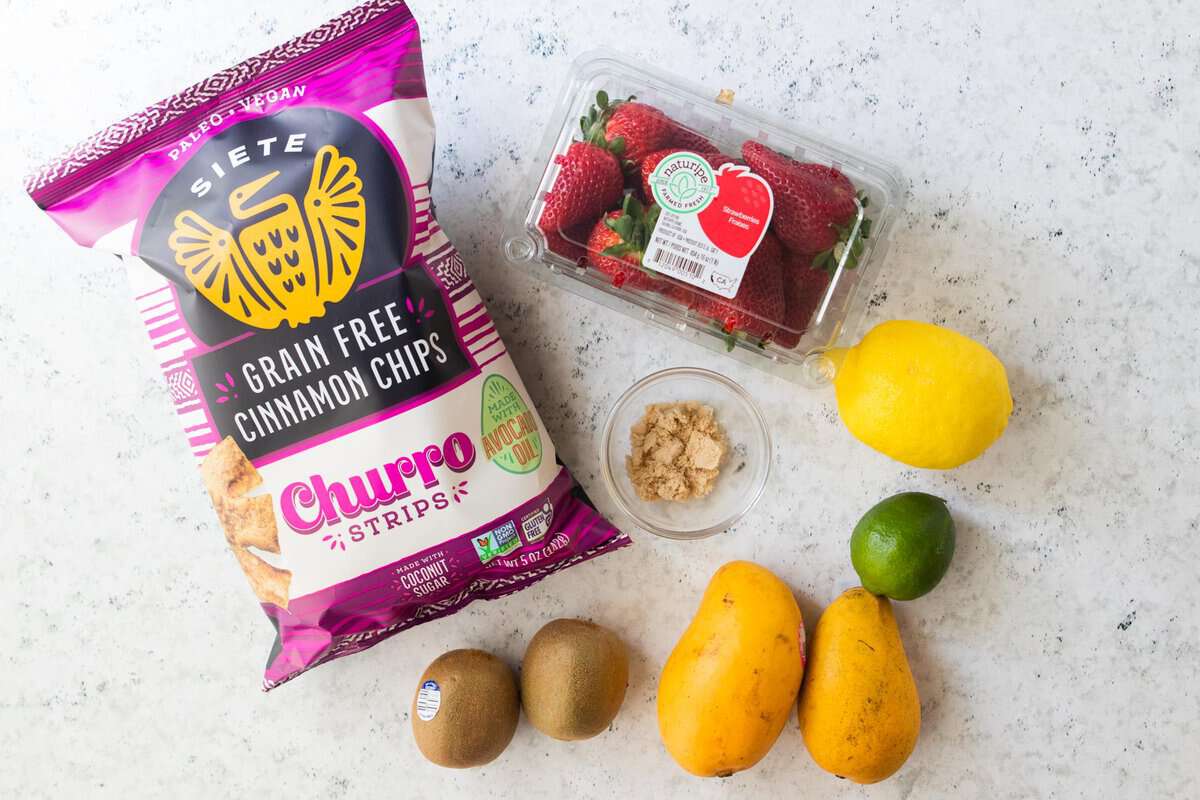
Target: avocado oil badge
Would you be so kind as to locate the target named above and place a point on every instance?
(711, 221)
(511, 439)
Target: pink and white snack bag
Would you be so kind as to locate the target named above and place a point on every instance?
(368, 445)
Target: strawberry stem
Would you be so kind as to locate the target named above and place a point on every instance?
(634, 225)
(594, 123)
(827, 260)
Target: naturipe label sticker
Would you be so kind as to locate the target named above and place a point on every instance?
(429, 700)
(711, 222)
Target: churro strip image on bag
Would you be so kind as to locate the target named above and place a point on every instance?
(371, 452)
(247, 521)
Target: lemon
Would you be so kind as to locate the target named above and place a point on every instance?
(922, 394)
(902, 547)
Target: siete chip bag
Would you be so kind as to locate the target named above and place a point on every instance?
(371, 452)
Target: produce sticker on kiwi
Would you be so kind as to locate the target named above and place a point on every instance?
(511, 439)
(429, 700)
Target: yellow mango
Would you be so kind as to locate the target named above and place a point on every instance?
(859, 710)
(729, 685)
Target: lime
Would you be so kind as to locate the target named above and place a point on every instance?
(902, 547)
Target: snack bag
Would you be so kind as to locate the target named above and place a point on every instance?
(371, 452)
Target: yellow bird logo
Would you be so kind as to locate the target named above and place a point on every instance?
(287, 260)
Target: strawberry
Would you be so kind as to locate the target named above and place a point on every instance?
(803, 290)
(686, 139)
(683, 294)
(628, 128)
(814, 204)
(589, 182)
(643, 128)
(758, 306)
(569, 243)
(618, 241)
(652, 160)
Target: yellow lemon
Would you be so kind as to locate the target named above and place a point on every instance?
(922, 394)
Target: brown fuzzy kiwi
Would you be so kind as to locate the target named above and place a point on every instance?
(573, 679)
(468, 711)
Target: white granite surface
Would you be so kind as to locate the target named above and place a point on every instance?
(1054, 166)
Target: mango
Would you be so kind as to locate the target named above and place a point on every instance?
(859, 711)
(728, 687)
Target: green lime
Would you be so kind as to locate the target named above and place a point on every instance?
(902, 547)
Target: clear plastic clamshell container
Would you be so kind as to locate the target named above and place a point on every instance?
(771, 278)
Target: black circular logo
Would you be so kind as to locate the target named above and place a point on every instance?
(275, 218)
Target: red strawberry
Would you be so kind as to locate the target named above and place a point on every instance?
(633, 130)
(652, 160)
(804, 288)
(758, 306)
(687, 296)
(687, 139)
(589, 182)
(814, 204)
(618, 241)
(569, 243)
(643, 128)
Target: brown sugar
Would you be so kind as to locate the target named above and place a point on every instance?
(676, 453)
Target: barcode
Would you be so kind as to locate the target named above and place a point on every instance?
(676, 261)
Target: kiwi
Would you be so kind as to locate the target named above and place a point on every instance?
(573, 679)
(465, 709)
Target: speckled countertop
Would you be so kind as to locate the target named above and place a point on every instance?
(1053, 168)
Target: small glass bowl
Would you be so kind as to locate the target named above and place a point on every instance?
(743, 473)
